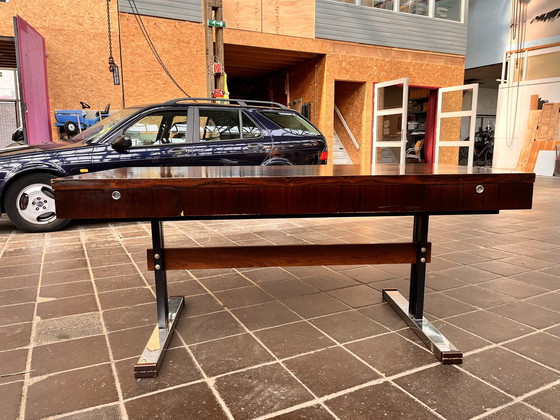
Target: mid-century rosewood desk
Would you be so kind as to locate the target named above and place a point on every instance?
(198, 193)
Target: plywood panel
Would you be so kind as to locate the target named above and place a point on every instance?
(243, 14)
(289, 17)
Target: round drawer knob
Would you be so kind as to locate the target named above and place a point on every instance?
(479, 189)
(116, 195)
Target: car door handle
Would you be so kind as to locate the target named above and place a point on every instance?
(178, 151)
(255, 146)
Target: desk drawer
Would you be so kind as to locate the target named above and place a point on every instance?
(479, 197)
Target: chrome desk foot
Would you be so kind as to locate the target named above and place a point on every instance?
(436, 342)
(152, 356)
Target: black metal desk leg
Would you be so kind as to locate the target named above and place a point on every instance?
(418, 269)
(168, 310)
(412, 312)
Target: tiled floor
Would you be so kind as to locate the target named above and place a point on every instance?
(286, 343)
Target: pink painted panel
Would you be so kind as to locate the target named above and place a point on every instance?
(32, 70)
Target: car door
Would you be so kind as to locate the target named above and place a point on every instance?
(159, 138)
(227, 136)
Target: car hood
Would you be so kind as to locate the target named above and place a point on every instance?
(14, 152)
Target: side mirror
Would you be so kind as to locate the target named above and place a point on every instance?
(122, 143)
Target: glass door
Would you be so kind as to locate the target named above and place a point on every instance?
(455, 125)
(389, 121)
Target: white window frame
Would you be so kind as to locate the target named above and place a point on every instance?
(403, 111)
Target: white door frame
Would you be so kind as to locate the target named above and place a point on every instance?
(403, 110)
(457, 114)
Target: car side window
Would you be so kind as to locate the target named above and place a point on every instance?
(226, 124)
(250, 130)
(145, 131)
(178, 129)
(158, 129)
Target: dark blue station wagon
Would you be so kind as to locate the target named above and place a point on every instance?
(181, 132)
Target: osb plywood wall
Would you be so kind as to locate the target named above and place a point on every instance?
(77, 48)
(282, 17)
(180, 45)
(371, 64)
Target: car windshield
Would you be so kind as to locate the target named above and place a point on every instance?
(96, 132)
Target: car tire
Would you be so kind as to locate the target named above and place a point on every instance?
(30, 204)
(71, 127)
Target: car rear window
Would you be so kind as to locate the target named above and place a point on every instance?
(292, 123)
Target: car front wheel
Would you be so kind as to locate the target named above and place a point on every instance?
(30, 204)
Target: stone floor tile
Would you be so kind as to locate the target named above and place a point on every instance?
(10, 401)
(111, 412)
(382, 401)
(391, 354)
(68, 327)
(67, 306)
(549, 300)
(12, 365)
(130, 342)
(107, 284)
(318, 304)
(187, 402)
(314, 412)
(229, 280)
(534, 315)
(19, 282)
(348, 326)
(368, 274)
(329, 371)
(178, 369)
(547, 400)
(200, 304)
(69, 354)
(260, 391)
(478, 296)
(58, 291)
(17, 296)
(285, 289)
(464, 397)
(15, 336)
(289, 340)
(69, 276)
(469, 274)
(513, 288)
(126, 297)
(244, 296)
(385, 315)
(16, 314)
(208, 327)
(541, 347)
(264, 275)
(228, 354)
(508, 371)
(129, 317)
(266, 315)
(539, 279)
(442, 306)
(70, 391)
(490, 326)
(517, 411)
(356, 296)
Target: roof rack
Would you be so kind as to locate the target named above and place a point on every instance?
(241, 102)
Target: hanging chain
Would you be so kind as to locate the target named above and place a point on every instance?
(111, 60)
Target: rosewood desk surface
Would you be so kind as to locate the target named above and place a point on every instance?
(191, 192)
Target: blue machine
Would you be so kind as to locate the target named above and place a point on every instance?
(72, 121)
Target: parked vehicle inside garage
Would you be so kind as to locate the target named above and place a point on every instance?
(181, 132)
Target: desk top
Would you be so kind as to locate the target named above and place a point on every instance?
(192, 192)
